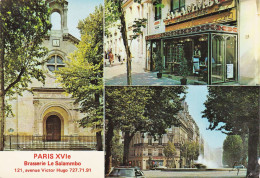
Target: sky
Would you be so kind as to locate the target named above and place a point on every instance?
(195, 98)
(79, 10)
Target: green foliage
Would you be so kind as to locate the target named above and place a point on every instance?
(149, 109)
(162, 108)
(232, 150)
(117, 149)
(184, 70)
(24, 25)
(236, 108)
(169, 151)
(190, 150)
(158, 61)
(126, 105)
(82, 77)
(144, 109)
(112, 15)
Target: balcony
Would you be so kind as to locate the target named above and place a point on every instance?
(26, 143)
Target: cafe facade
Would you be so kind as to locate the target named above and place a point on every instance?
(202, 36)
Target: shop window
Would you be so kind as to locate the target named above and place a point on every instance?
(158, 11)
(176, 5)
(55, 63)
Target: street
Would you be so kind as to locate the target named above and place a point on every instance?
(211, 174)
(116, 75)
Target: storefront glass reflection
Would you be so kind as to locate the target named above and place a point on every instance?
(218, 66)
(231, 58)
(217, 60)
(194, 49)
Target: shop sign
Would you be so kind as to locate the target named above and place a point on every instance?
(196, 29)
(199, 10)
(153, 36)
(157, 157)
(216, 18)
(157, 24)
(230, 69)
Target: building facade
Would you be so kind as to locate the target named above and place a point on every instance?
(147, 152)
(47, 118)
(217, 38)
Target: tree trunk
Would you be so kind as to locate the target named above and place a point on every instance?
(99, 133)
(125, 40)
(99, 141)
(109, 137)
(253, 166)
(2, 90)
(127, 140)
(244, 149)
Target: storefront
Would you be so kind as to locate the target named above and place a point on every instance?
(209, 51)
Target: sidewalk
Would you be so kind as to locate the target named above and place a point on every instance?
(116, 75)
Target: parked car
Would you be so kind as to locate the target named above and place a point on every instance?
(239, 166)
(126, 172)
(159, 168)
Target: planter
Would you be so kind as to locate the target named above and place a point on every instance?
(183, 81)
(159, 75)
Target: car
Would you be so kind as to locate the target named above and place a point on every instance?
(239, 166)
(159, 168)
(126, 172)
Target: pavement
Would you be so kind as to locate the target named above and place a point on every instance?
(116, 75)
(193, 174)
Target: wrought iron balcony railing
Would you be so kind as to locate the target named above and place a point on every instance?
(14, 142)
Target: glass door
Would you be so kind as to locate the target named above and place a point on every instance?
(231, 58)
(217, 60)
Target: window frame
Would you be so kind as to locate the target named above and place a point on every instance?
(156, 9)
(179, 6)
(55, 64)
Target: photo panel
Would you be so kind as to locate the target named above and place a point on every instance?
(178, 131)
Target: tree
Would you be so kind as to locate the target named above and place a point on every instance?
(237, 109)
(23, 25)
(143, 109)
(169, 151)
(114, 12)
(117, 149)
(82, 77)
(190, 151)
(232, 150)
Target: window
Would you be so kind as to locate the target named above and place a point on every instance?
(160, 152)
(55, 63)
(160, 141)
(158, 11)
(150, 141)
(176, 5)
(149, 152)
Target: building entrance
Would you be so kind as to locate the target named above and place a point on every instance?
(53, 128)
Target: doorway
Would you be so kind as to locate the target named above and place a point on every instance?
(53, 128)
